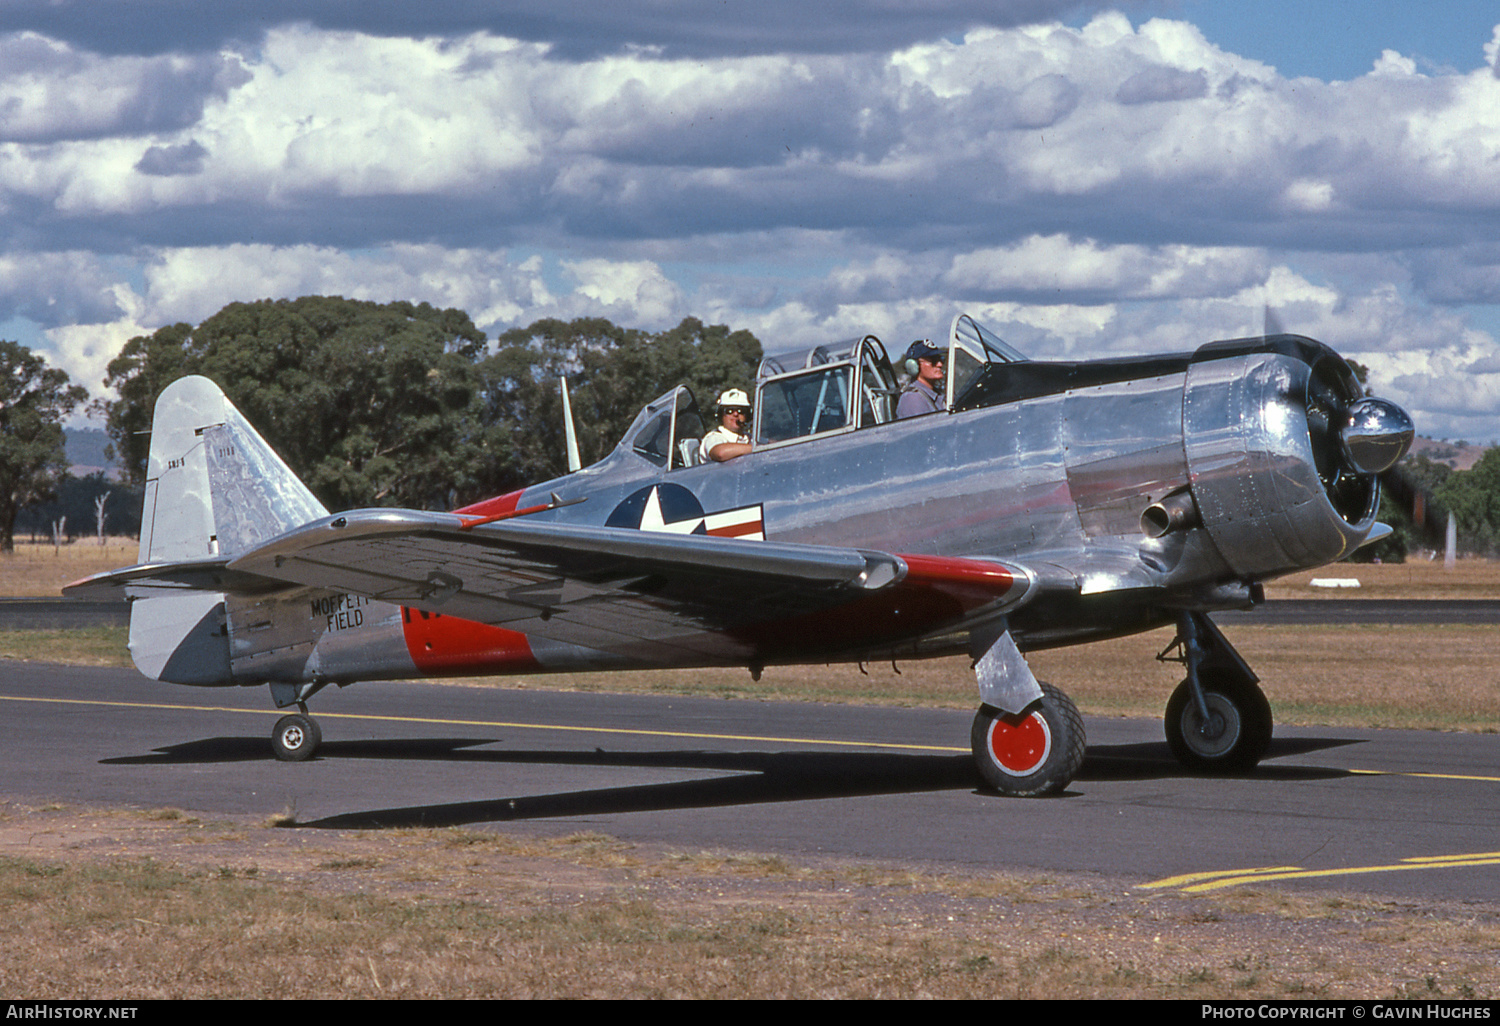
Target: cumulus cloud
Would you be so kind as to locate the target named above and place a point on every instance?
(53, 289)
(189, 284)
(1103, 130)
(85, 350)
(633, 291)
(183, 159)
(1049, 268)
(1096, 188)
(51, 92)
(1458, 274)
(1162, 84)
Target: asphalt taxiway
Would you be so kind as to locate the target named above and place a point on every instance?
(1391, 812)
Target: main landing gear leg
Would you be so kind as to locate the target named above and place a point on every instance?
(1034, 750)
(297, 736)
(1218, 719)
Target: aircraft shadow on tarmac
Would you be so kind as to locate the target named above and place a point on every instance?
(752, 777)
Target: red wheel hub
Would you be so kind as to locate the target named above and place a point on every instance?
(1021, 746)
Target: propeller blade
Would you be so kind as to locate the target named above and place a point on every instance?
(1426, 514)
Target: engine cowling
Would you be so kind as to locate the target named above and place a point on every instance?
(1284, 452)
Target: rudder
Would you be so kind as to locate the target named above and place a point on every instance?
(214, 488)
(213, 485)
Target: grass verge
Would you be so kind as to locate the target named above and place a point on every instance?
(469, 914)
(87, 646)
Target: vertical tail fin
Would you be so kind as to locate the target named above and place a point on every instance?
(214, 487)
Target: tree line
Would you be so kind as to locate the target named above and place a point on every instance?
(405, 404)
(371, 404)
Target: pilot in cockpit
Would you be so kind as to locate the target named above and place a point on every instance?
(925, 364)
(732, 437)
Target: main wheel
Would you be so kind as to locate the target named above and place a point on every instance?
(296, 738)
(1032, 754)
(1237, 734)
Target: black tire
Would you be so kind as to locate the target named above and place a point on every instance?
(1033, 754)
(296, 738)
(1242, 733)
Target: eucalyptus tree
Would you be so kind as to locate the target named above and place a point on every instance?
(35, 399)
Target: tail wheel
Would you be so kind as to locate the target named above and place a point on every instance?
(1237, 733)
(1033, 754)
(296, 738)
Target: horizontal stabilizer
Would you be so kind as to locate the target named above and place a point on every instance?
(154, 580)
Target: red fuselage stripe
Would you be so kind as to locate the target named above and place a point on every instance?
(736, 530)
(447, 645)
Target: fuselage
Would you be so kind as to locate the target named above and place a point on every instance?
(1048, 464)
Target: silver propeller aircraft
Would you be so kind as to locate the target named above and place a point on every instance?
(1049, 504)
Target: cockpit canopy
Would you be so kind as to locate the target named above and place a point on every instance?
(840, 387)
(807, 393)
(971, 348)
(852, 385)
(667, 430)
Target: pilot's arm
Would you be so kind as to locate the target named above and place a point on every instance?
(728, 451)
(723, 443)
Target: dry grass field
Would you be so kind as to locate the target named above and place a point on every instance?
(1415, 579)
(41, 570)
(152, 905)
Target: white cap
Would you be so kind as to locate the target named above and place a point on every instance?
(734, 397)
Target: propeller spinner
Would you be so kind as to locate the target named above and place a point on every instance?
(1377, 434)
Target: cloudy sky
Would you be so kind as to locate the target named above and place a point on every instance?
(1087, 178)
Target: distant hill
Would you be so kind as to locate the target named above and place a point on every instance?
(86, 453)
(1458, 455)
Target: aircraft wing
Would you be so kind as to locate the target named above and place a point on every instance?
(628, 591)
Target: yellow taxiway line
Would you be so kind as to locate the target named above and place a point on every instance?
(499, 724)
(1195, 883)
(1435, 776)
(894, 746)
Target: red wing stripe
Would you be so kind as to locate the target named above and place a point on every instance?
(498, 506)
(974, 582)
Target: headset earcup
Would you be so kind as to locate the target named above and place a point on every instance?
(911, 368)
